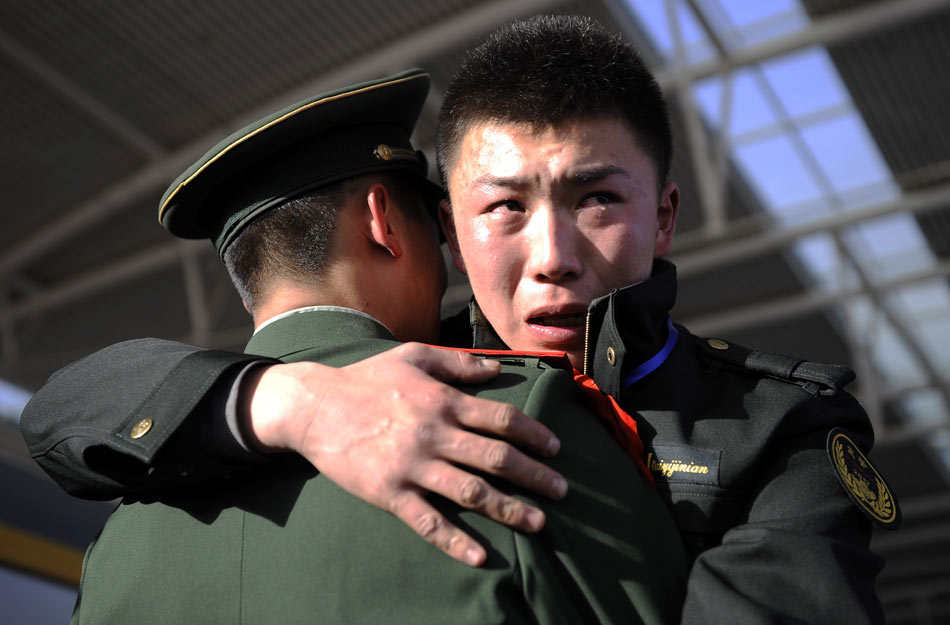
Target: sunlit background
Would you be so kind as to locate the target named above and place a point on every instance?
(813, 152)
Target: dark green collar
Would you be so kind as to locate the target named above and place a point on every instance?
(632, 322)
(325, 329)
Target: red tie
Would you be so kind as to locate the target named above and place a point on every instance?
(623, 426)
(606, 408)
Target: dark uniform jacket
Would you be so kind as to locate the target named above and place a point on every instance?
(280, 543)
(736, 440)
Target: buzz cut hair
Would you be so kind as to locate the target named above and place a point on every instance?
(549, 70)
(294, 241)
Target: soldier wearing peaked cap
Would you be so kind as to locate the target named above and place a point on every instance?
(311, 144)
(281, 543)
(555, 147)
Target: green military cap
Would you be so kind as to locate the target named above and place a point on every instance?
(351, 131)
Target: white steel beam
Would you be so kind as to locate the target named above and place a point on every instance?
(837, 28)
(139, 263)
(710, 167)
(105, 116)
(401, 54)
(729, 250)
(115, 273)
(794, 306)
(195, 292)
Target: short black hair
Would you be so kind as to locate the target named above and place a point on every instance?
(552, 69)
(294, 240)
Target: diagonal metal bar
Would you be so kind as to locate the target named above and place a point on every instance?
(402, 53)
(730, 250)
(838, 28)
(104, 115)
(791, 307)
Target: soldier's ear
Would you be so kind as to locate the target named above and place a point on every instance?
(451, 236)
(384, 230)
(666, 219)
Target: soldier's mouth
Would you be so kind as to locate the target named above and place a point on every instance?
(560, 320)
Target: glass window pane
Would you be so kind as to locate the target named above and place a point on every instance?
(805, 82)
(846, 153)
(750, 110)
(652, 16)
(777, 172)
(12, 400)
(924, 407)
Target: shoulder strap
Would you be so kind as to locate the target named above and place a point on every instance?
(814, 377)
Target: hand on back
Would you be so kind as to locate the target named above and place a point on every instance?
(389, 429)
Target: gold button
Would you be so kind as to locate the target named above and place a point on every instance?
(383, 152)
(717, 344)
(611, 356)
(141, 428)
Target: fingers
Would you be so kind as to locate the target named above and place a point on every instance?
(475, 493)
(501, 459)
(413, 510)
(506, 421)
(450, 365)
(488, 416)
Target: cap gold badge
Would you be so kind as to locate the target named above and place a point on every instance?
(861, 481)
(383, 152)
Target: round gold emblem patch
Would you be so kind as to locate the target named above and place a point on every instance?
(861, 481)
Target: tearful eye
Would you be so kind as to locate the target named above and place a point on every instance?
(597, 199)
(506, 207)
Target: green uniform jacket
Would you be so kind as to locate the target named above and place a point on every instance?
(774, 537)
(282, 544)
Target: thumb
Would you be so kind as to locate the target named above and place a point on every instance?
(452, 365)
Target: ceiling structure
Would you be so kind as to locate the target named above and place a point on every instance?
(104, 102)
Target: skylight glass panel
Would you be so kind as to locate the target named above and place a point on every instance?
(896, 365)
(777, 172)
(891, 357)
(750, 111)
(12, 401)
(925, 299)
(923, 407)
(940, 445)
(805, 82)
(892, 235)
(805, 212)
(925, 307)
(761, 21)
(933, 333)
(892, 245)
(819, 255)
(652, 16)
(796, 137)
(846, 153)
(879, 192)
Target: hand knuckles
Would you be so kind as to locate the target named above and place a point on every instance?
(510, 511)
(428, 526)
(499, 455)
(505, 418)
(443, 397)
(472, 492)
(454, 543)
(424, 434)
(541, 476)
